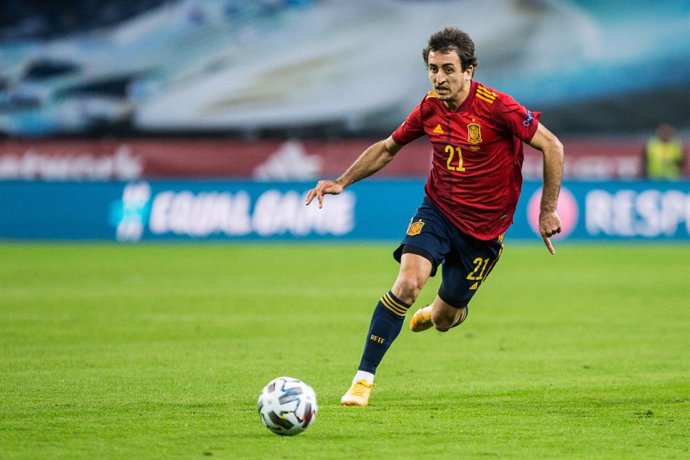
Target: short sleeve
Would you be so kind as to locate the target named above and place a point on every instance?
(517, 119)
(411, 128)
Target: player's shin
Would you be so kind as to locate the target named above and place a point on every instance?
(385, 326)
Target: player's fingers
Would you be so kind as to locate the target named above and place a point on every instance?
(310, 197)
(549, 246)
(316, 192)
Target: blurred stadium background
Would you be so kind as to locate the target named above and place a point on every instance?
(188, 119)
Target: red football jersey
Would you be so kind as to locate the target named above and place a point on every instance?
(476, 172)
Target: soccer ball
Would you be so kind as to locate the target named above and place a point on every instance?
(287, 406)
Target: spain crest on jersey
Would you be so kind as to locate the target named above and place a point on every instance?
(474, 133)
(415, 228)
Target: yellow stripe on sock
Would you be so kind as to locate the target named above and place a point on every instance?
(396, 302)
(386, 303)
(393, 306)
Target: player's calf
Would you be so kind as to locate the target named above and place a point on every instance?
(445, 319)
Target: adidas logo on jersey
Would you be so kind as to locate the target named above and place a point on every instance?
(438, 129)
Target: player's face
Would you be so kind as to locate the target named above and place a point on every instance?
(449, 81)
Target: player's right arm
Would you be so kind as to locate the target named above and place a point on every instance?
(552, 150)
(373, 159)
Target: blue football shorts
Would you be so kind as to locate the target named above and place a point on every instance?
(465, 261)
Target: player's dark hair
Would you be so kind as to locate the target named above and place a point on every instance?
(451, 39)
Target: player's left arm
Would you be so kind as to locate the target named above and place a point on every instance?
(552, 150)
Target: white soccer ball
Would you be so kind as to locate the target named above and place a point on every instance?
(287, 406)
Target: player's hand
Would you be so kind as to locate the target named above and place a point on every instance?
(549, 225)
(323, 187)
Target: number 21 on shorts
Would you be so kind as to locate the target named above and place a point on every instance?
(480, 266)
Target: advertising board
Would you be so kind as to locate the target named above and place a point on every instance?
(140, 211)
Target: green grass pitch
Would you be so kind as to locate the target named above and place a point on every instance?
(160, 351)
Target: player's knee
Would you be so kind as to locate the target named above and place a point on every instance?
(407, 288)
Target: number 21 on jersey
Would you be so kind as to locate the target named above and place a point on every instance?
(454, 162)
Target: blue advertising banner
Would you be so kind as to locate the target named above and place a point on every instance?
(370, 210)
(611, 210)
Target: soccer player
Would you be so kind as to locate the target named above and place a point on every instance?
(470, 196)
